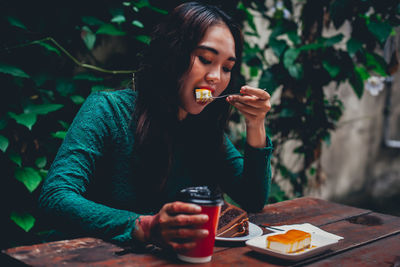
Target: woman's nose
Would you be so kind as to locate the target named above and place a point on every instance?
(213, 76)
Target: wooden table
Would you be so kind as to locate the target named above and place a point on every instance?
(370, 239)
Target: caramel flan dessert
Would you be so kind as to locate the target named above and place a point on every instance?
(203, 95)
(233, 221)
(289, 242)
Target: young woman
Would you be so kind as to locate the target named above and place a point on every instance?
(129, 152)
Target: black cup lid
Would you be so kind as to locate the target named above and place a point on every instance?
(201, 195)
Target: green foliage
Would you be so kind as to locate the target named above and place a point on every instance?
(307, 60)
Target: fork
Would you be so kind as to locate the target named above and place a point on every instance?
(222, 96)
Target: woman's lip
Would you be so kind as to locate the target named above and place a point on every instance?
(206, 87)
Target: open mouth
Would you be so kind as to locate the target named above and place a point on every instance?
(203, 95)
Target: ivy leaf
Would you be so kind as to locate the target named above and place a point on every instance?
(42, 109)
(16, 22)
(14, 157)
(120, 18)
(137, 24)
(143, 38)
(333, 40)
(294, 37)
(59, 134)
(92, 21)
(77, 99)
(27, 120)
(278, 46)
(12, 70)
(333, 70)
(3, 143)
(296, 71)
(353, 46)
(380, 30)
(110, 29)
(88, 37)
(377, 63)
(41, 162)
(158, 10)
(290, 56)
(65, 87)
(356, 81)
(29, 177)
(24, 220)
(50, 48)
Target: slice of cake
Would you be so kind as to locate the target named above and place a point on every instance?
(203, 95)
(289, 242)
(233, 221)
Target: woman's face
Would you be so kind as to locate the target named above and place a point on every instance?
(212, 62)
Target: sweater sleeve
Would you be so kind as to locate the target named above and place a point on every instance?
(63, 193)
(247, 179)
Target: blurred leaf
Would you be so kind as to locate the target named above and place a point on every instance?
(356, 81)
(59, 134)
(267, 81)
(92, 21)
(77, 99)
(65, 87)
(24, 220)
(294, 37)
(296, 71)
(50, 48)
(333, 70)
(110, 29)
(143, 38)
(29, 177)
(353, 46)
(27, 120)
(12, 70)
(118, 19)
(377, 63)
(89, 38)
(380, 30)
(278, 46)
(158, 10)
(253, 71)
(290, 56)
(16, 158)
(333, 40)
(41, 162)
(98, 87)
(16, 22)
(3, 123)
(64, 124)
(3, 143)
(137, 24)
(287, 113)
(42, 109)
(88, 76)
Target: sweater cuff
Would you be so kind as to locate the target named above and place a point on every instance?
(268, 147)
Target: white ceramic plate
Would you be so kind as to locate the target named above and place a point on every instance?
(254, 231)
(319, 244)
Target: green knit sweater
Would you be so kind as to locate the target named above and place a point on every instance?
(93, 187)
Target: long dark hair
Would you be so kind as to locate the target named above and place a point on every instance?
(168, 57)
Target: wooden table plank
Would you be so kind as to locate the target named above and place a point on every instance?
(301, 210)
(369, 255)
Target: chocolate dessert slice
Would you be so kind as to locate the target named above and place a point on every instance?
(233, 221)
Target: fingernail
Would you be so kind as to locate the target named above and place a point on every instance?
(204, 232)
(204, 217)
(196, 208)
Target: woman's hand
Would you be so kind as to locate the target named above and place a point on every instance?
(173, 226)
(254, 103)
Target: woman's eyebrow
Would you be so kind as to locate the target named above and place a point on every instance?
(213, 50)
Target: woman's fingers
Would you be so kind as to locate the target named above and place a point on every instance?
(181, 207)
(259, 93)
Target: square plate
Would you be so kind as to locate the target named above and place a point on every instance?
(319, 244)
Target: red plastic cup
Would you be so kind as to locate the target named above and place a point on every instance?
(210, 203)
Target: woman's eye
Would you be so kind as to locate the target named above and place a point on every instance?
(203, 60)
(227, 69)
